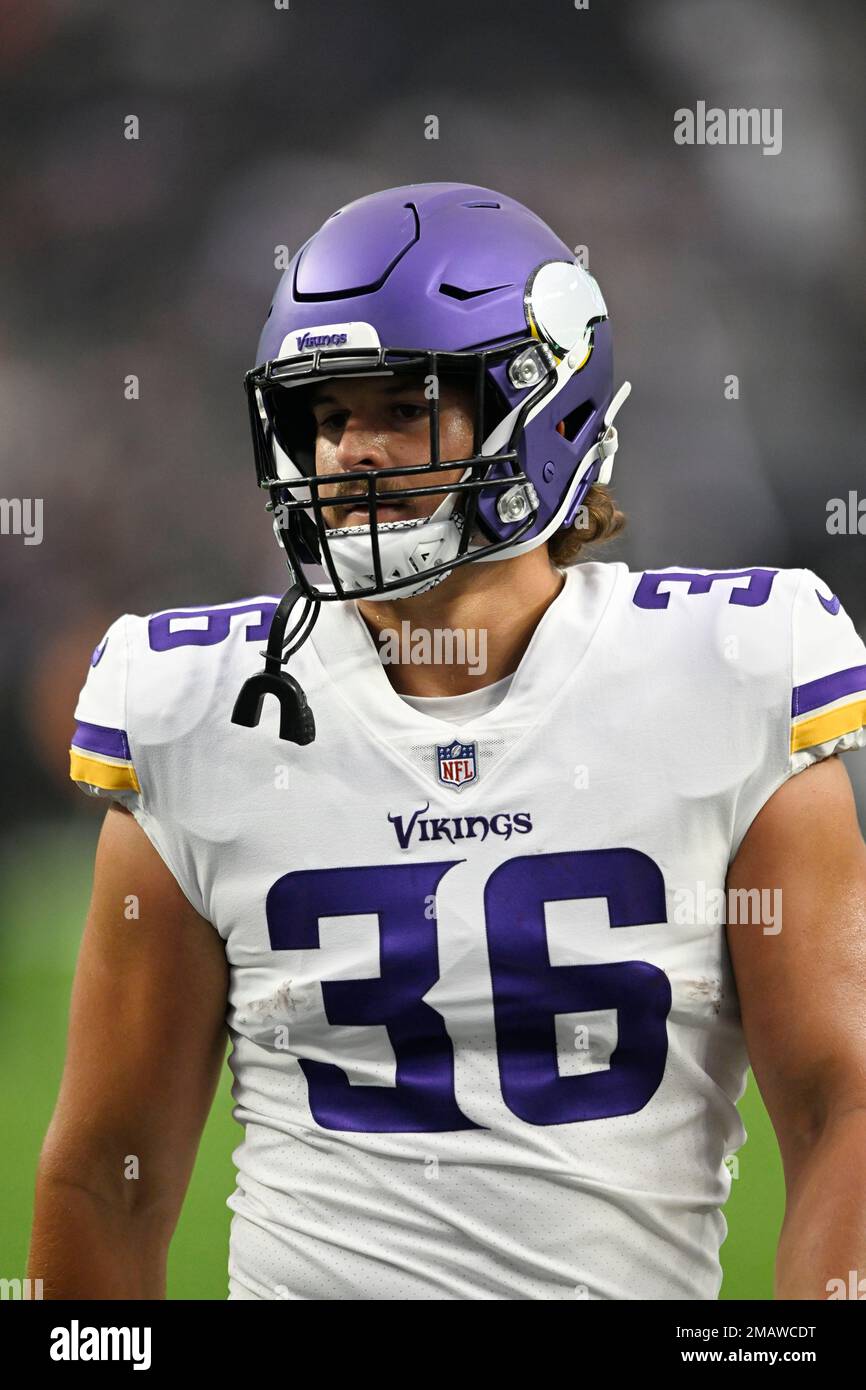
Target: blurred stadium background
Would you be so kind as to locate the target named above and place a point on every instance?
(155, 257)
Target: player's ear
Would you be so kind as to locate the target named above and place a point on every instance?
(561, 427)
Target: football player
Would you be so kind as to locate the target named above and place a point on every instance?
(503, 869)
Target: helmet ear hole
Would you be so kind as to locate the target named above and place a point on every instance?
(574, 422)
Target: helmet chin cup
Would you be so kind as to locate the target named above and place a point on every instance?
(407, 549)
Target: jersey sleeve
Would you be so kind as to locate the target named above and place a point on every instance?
(828, 700)
(100, 760)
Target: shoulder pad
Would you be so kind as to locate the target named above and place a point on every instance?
(100, 761)
(828, 699)
(154, 679)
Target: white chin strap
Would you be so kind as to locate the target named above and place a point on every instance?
(608, 442)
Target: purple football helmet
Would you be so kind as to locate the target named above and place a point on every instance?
(441, 280)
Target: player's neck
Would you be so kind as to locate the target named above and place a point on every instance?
(467, 632)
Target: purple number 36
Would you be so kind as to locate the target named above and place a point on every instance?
(528, 992)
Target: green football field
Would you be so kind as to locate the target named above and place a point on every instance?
(44, 891)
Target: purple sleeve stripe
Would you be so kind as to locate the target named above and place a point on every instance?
(96, 738)
(820, 692)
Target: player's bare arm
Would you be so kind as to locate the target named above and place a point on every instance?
(802, 991)
(146, 1043)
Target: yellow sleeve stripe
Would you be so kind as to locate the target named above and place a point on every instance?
(110, 775)
(824, 727)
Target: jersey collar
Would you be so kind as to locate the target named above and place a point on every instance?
(348, 654)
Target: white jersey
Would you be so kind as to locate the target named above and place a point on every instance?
(486, 1038)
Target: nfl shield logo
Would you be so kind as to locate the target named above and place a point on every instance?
(457, 764)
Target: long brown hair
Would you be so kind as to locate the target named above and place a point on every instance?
(600, 520)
